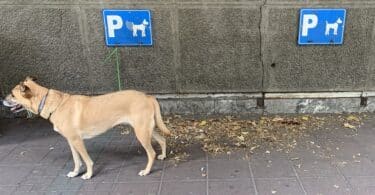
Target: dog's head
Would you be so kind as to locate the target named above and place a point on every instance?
(145, 22)
(23, 96)
(339, 21)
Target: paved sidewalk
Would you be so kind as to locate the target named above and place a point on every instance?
(35, 160)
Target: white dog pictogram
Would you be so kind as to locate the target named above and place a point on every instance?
(136, 27)
(333, 26)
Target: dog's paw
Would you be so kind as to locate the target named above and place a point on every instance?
(72, 174)
(143, 173)
(86, 176)
(161, 157)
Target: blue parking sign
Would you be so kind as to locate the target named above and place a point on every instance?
(321, 26)
(127, 27)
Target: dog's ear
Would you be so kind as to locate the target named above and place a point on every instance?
(22, 86)
(30, 78)
(25, 91)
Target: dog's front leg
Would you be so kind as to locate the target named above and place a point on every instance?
(78, 144)
(77, 161)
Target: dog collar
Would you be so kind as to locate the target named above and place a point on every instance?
(41, 104)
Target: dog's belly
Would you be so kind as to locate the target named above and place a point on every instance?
(88, 134)
(93, 131)
(100, 128)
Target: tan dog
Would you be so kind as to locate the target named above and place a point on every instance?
(78, 117)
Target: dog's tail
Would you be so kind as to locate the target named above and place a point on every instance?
(158, 119)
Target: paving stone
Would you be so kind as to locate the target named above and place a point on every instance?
(363, 167)
(123, 140)
(225, 169)
(26, 193)
(94, 193)
(16, 127)
(57, 157)
(325, 185)
(42, 141)
(362, 185)
(134, 154)
(44, 171)
(7, 189)
(24, 188)
(130, 170)
(272, 167)
(347, 149)
(96, 146)
(172, 188)
(105, 173)
(278, 186)
(185, 171)
(63, 183)
(315, 168)
(41, 183)
(4, 151)
(113, 154)
(10, 142)
(136, 188)
(26, 155)
(231, 187)
(13, 175)
(96, 186)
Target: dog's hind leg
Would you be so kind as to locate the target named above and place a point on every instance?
(144, 136)
(80, 147)
(161, 140)
(77, 161)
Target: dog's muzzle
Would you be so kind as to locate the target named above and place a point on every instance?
(14, 107)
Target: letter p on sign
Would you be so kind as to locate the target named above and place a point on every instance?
(114, 23)
(309, 21)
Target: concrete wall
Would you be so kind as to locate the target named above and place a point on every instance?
(200, 47)
(347, 67)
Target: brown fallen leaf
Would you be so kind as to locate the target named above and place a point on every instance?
(352, 118)
(347, 125)
(277, 119)
(241, 138)
(203, 123)
(201, 136)
(228, 134)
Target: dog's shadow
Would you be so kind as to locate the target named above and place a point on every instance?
(133, 158)
(20, 130)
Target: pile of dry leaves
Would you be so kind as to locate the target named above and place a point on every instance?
(226, 134)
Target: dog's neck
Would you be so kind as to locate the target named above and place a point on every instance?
(42, 103)
(51, 104)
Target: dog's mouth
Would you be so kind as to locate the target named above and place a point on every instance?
(14, 107)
